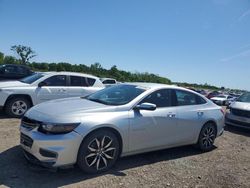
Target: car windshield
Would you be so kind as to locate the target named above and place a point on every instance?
(244, 98)
(221, 96)
(32, 78)
(116, 95)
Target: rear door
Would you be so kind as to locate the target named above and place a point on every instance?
(55, 88)
(81, 86)
(191, 113)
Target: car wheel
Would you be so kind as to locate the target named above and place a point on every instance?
(207, 137)
(17, 106)
(98, 152)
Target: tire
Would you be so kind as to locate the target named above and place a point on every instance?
(93, 159)
(207, 137)
(16, 107)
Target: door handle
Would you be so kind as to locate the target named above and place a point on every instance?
(171, 115)
(200, 113)
(62, 90)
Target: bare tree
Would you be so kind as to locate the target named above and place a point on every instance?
(24, 52)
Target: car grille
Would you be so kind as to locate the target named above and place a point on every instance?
(26, 140)
(29, 123)
(242, 113)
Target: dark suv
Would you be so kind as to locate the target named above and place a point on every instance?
(14, 72)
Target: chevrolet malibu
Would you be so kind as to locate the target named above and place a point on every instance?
(126, 119)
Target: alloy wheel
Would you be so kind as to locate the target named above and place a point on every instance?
(208, 137)
(19, 107)
(100, 153)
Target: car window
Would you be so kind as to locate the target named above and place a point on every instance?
(90, 81)
(161, 98)
(81, 81)
(10, 70)
(75, 81)
(184, 98)
(58, 80)
(22, 70)
(109, 82)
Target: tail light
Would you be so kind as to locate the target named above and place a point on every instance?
(222, 111)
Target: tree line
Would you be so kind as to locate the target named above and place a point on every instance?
(25, 54)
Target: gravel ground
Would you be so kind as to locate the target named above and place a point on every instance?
(228, 165)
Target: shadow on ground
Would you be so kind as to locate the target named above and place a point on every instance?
(4, 116)
(238, 130)
(15, 171)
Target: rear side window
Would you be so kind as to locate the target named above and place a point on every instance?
(161, 98)
(184, 98)
(81, 81)
(58, 80)
(90, 81)
(109, 82)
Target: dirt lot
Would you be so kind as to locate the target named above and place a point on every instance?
(228, 165)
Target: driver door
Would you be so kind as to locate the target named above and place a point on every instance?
(152, 129)
(55, 87)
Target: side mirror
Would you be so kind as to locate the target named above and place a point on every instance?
(146, 106)
(41, 84)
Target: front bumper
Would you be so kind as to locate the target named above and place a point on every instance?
(237, 121)
(50, 150)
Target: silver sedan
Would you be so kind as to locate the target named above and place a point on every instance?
(118, 121)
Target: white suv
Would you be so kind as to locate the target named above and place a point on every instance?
(16, 97)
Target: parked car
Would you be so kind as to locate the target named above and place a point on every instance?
(118, 121)
(16, 97)
(239, 112)
(213, 94)
(223, 99)
(14, 72)
(108, 81)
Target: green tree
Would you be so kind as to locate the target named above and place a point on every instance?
(1, 57)
(9, 60)
(24, 52)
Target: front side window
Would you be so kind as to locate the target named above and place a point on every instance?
(116, 95)
(58, 80)
(11, 70)
(161, 98)
(184, 98)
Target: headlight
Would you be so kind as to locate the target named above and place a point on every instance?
(57, 128)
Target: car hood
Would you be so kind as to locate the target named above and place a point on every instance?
(67, 108)
(8, 84)
(241, 105)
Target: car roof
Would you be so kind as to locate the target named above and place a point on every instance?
(153, 85)
(69, 73)
(106, 79)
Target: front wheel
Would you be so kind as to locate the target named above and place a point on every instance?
(16, 107)
(98, 152)
(207, 137)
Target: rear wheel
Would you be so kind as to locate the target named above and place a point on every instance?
(207, 137)
(16, 107)
(98, 152)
